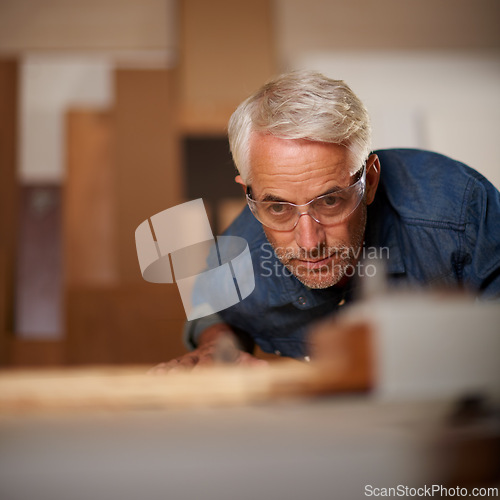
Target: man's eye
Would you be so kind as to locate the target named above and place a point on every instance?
(330, 200)
(278, 208)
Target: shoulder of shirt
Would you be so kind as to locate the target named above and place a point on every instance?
(426, 187)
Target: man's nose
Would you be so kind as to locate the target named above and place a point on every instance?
(309, 234)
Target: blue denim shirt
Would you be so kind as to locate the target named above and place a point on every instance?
(436, 220)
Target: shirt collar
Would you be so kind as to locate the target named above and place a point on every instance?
(381, 233)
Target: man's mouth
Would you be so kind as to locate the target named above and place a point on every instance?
(312, 264)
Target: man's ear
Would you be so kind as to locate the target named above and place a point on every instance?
(372, 177)
(239, 180)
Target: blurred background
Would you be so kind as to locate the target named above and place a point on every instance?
(114, 110)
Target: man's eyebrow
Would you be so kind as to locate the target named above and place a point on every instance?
(272, 197)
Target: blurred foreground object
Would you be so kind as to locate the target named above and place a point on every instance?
(430, 345)
(211, 432)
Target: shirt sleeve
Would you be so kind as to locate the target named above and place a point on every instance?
(193, 329)
(482, 235)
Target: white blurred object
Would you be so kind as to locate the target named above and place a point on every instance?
(429, 345)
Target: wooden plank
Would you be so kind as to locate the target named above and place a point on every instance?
(89, 214)
(346, 369)
(148, 175)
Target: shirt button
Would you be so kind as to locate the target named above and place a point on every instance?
(277, 352)
(341, 303)
(302, 301)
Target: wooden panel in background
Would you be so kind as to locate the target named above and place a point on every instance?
(9, 192)
(227, 51)
(36, 353)
(89, 220)
(148, 175)
(123, 167)
(4, 311)
(127, 324)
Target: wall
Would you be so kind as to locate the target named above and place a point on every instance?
(444, 101)
(429, 72)
(306, 26)
(87, 25)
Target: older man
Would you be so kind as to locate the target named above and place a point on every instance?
(319, 201)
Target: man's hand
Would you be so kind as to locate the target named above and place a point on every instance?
(217, 344)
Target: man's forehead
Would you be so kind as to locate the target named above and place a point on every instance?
(270, 155)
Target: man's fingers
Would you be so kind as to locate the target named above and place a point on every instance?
(184, 362)
(158, 369)
(247, 359)
(203, 357)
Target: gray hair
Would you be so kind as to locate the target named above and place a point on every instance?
(301, 105)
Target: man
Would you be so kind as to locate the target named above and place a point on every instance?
(319, 201)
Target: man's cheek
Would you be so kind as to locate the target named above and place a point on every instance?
(280, 239)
